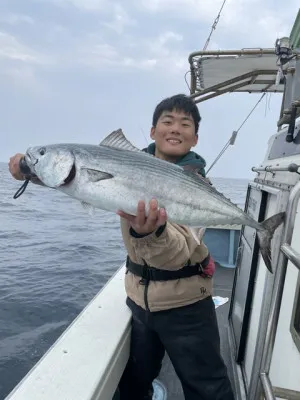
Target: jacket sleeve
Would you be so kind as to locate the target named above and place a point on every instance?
(170, 249)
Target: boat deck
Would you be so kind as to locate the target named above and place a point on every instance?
(223, 282)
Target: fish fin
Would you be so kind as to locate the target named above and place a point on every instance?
(265, 235)
(195, 169)
(118, 140)
(95, 175)
(88, 207)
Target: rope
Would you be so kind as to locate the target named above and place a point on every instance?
(213, 27)
(236, 132)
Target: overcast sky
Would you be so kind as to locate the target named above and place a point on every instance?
(74, 70)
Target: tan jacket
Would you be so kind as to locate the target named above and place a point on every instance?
(171, 251)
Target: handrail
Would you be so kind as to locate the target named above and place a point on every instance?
(277, 295)
(291, 168)
(291, 254)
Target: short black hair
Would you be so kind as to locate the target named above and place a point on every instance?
(179, 102)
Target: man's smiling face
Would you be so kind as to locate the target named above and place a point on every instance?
(174, 135)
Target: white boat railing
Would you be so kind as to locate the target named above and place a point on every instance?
(88, 359)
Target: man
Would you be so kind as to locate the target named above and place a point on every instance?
(171, 313)
(168, 279)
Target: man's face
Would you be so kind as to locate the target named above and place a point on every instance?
(174, 135)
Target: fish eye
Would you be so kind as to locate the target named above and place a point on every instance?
(42, 151)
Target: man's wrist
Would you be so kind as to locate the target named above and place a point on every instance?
(137, 235)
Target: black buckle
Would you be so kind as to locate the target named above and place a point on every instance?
(145, 275)
(200, 268)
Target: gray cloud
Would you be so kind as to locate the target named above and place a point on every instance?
(16, 19)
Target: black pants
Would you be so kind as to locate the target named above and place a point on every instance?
(191, 338)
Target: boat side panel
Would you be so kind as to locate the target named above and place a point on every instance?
(285, 365)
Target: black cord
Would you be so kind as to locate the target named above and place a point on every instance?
(22, 189)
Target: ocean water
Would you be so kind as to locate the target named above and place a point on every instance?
(54, 258)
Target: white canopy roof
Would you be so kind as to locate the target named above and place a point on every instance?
(215, 73)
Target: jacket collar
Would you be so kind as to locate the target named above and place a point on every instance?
(191, 158)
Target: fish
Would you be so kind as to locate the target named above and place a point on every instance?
(115, 175)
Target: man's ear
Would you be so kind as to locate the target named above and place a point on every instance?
(196, 139)
(152, 133)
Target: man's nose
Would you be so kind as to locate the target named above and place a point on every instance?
(175, 128)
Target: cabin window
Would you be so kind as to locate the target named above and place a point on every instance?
(295, 325)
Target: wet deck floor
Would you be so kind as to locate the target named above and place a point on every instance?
(223, 283)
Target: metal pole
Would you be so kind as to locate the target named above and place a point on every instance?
(291, 168)
(291, 254)
(230, 52)
(265, 380)
(236, 79)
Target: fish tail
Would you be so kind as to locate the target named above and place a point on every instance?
(265, 235)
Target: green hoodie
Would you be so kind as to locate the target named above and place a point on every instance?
(191, 158)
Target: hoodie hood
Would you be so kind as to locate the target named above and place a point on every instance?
(191, 158)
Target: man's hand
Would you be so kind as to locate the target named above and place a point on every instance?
(14, 168)
(145, 225)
